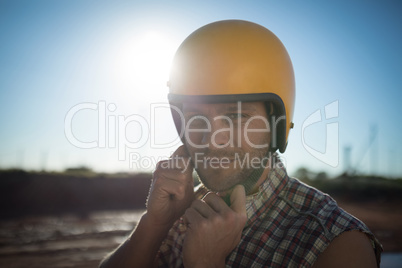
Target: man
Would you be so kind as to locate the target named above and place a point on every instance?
(232, 97)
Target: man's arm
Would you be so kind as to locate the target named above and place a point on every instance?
(171, 194)
(350, 249)
(140, 249)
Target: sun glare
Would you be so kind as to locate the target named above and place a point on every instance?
(142, 66)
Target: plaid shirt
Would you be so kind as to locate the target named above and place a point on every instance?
(289, 225)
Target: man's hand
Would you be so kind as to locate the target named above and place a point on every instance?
(214, 229)
(172, 189)
(171, 193)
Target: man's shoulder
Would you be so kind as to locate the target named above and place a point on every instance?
(320, 208)
(349, 249)
(305, 197)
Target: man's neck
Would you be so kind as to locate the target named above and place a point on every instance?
(263, 177)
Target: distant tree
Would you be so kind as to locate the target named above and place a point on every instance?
(81, 170)
(321, 176)
(302, 174)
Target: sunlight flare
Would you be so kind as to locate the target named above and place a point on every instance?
(141, 66)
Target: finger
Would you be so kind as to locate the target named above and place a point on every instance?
(203, 208)
(164, 169)
(192, 217)
(238, 199)
(184, 176)
(200, 191)
(215, 202)
(180, 159)
(178, 163)
(180, 151)
(174, 188)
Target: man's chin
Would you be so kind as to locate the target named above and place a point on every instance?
(219, 182)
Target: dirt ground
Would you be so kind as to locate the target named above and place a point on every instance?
(69, 241)
(383, 219)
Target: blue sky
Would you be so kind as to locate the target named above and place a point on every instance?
(56, 55)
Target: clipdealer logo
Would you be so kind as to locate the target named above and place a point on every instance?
(113, 132)
(330, 155)
(113, 128)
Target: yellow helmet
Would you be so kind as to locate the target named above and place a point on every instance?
(235, 60)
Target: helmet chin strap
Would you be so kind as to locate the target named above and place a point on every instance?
(253, 178)
(248, 184)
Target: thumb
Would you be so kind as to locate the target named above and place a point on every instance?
(180, 151)
(238, 199)
(181, 159)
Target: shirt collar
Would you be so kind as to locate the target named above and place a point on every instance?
(259, 203)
